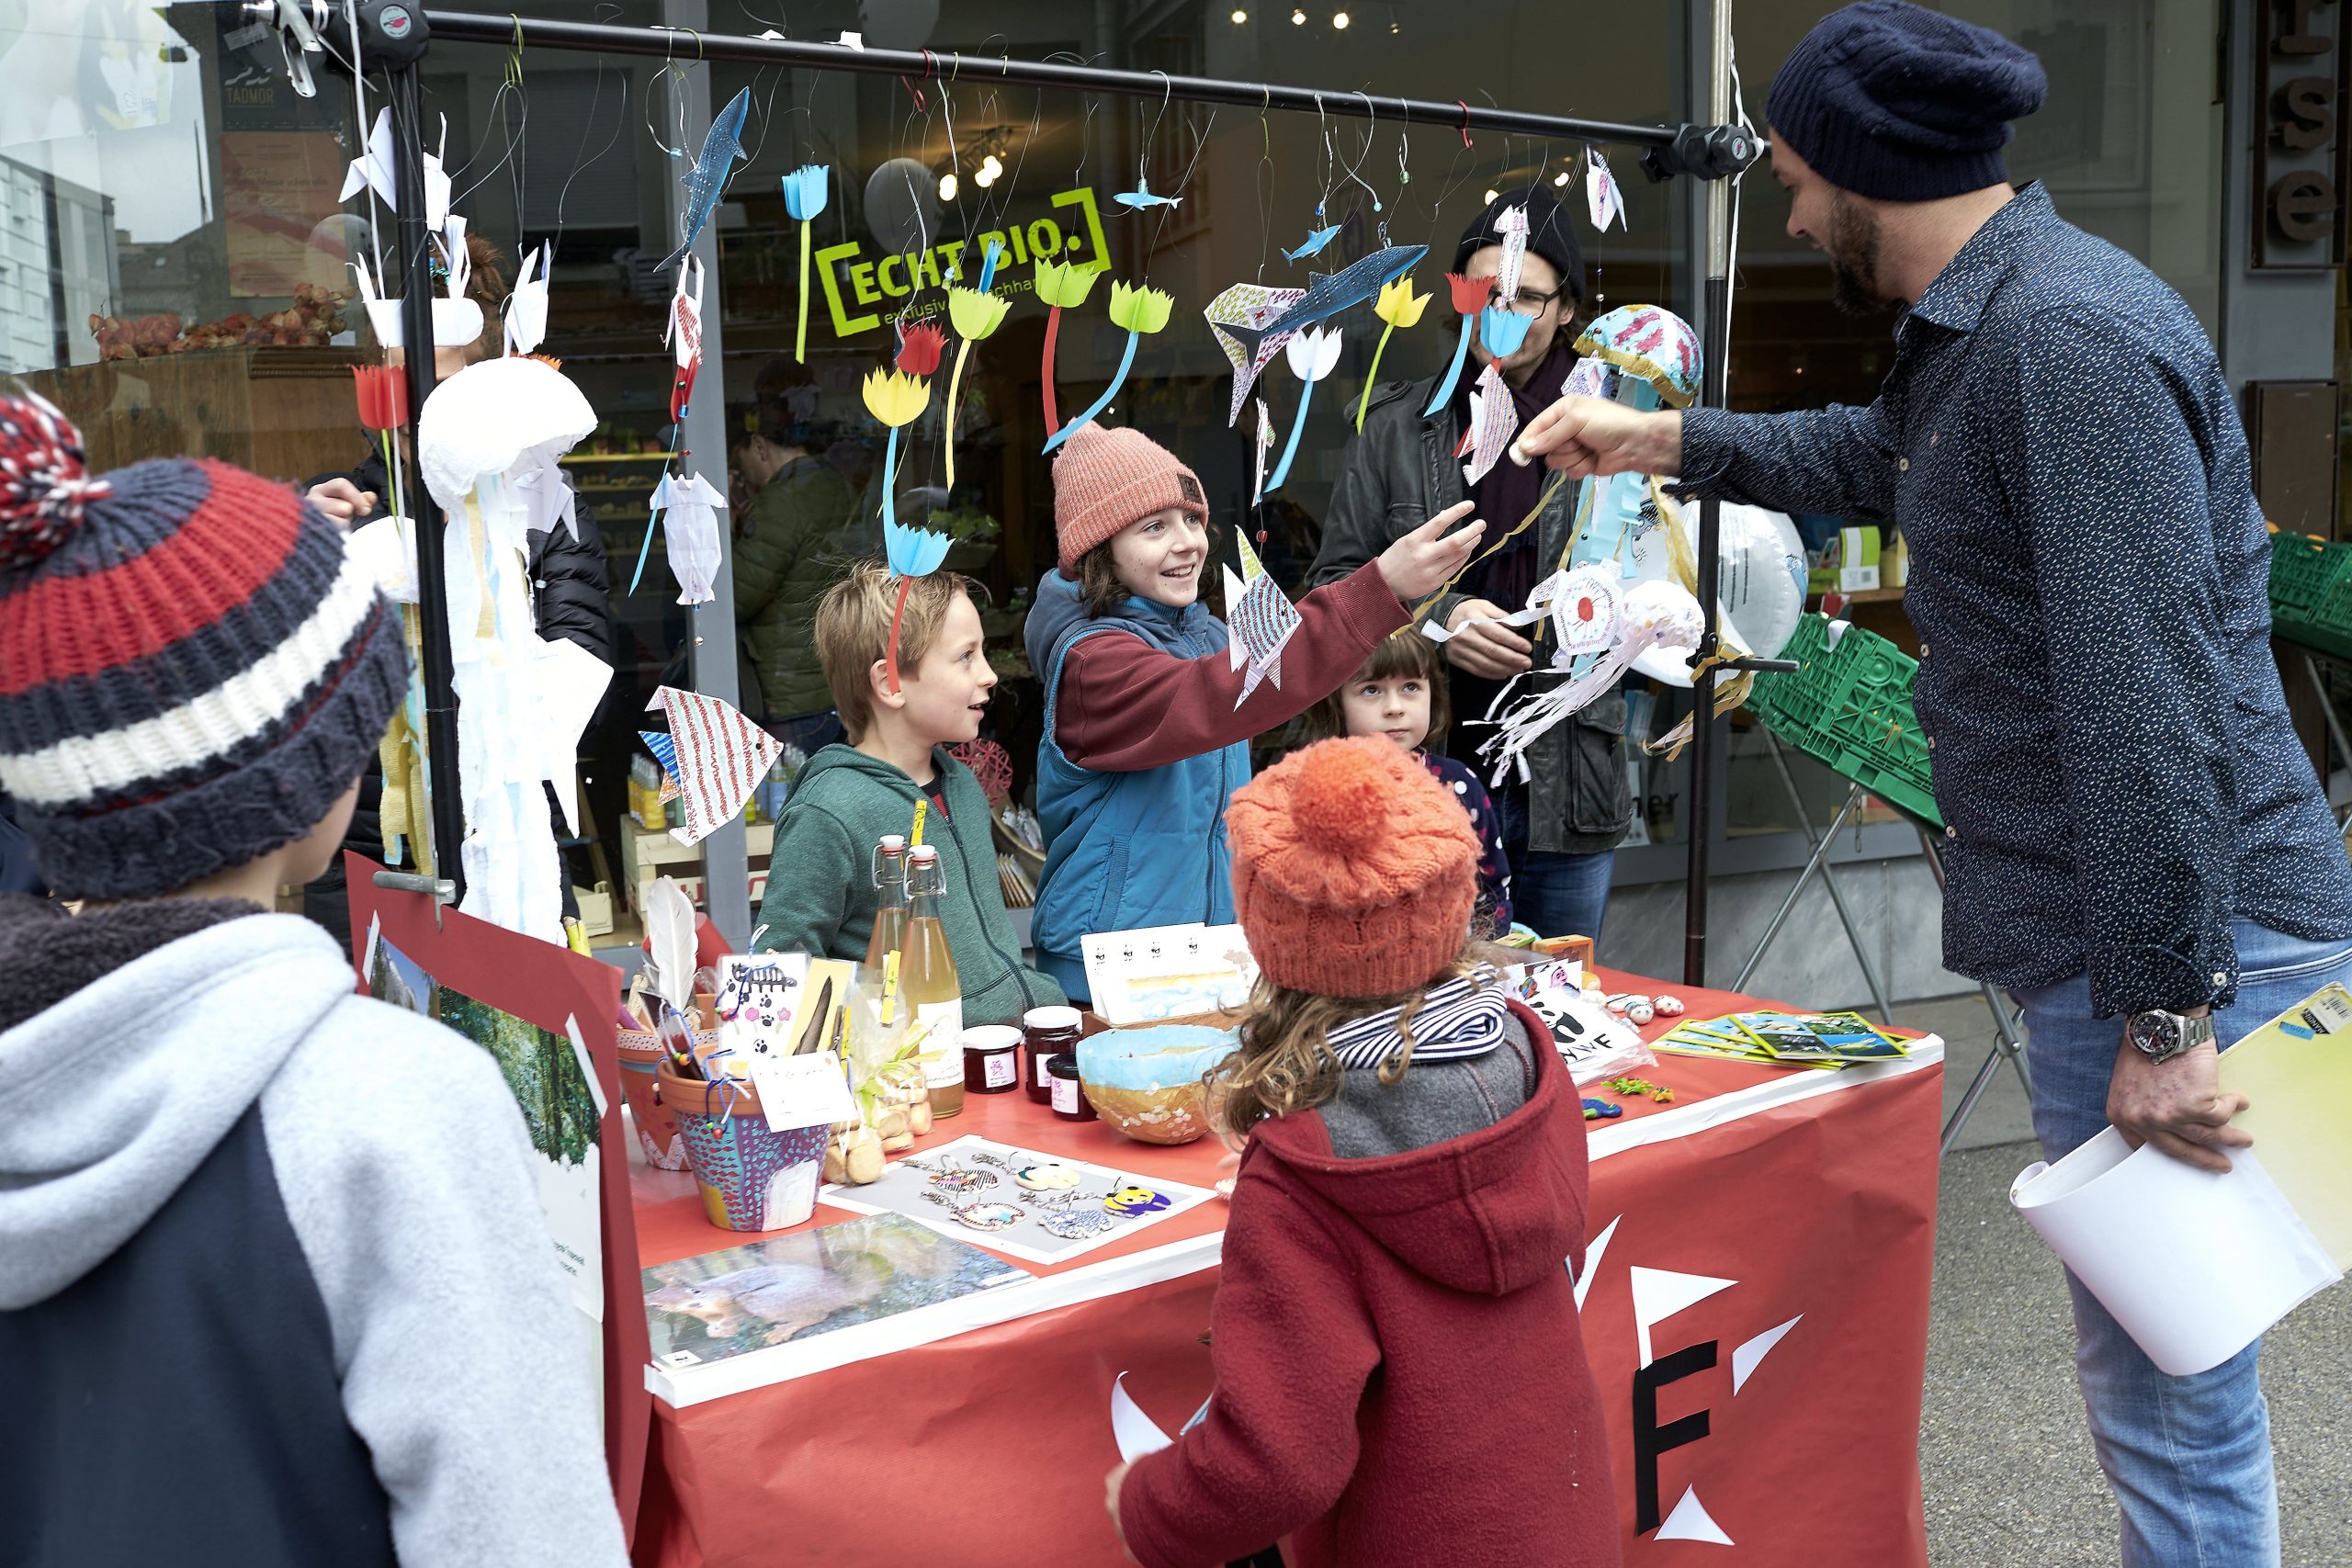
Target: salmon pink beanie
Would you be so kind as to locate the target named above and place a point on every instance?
(1354, 870)
(1105, 479)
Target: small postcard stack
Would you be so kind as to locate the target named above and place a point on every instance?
(1784, 1039)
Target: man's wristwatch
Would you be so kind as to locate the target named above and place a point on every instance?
(2160, 1036)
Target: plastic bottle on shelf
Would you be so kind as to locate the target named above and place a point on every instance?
(927, 984)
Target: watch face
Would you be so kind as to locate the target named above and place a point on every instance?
(2153, 1032)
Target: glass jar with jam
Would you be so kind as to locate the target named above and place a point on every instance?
(1069, 1096)
(991, 1059)
(1045, 1032)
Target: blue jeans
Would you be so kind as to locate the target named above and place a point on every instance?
(2188, 1458)
(1552, 894)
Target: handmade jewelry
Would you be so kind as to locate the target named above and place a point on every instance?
(1129, 1202)
(986, 1216)
(954, 1178)
(1074, 1223)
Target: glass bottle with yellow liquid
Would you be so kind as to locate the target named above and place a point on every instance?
(928, 988)
(890, 917)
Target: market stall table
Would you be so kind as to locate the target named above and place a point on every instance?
(1755, 1306)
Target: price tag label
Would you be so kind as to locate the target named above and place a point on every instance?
(802, 1091)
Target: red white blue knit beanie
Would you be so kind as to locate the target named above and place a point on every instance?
(192, 668)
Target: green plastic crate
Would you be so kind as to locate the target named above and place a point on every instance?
(1849, 706)
(2310, 591)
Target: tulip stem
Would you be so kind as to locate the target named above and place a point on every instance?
(890, 654)
(1372, 377)
(800, 340)
(1118, 379)
(890, 479)
(1290, 448)
(955, 387)
(1454, 372)
(1053, 331)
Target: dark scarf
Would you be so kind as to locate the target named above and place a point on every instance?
(1509, 492)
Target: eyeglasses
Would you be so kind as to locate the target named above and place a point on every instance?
(1528, 302)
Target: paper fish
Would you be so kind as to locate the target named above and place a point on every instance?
(805, 190)
(1316, 240)
(1603, 200)
(976, 313)
(1244, 305)
(1141, 196)
(682, 329)
(708, 178)
(690, 509)
(374, 169)
(721, 756)
(1326, 296)
(1470, 296)
(526, 306)
(1141, 312)
(1265, 446)
(1493, 419)
(1313, 355)
(1398, 306)
(1058, 284)
(1260, 620)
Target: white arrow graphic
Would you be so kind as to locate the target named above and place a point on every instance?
(1659, 1293)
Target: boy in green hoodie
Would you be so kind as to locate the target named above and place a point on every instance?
(822, 897)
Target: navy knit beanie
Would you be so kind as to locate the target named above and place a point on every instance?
(1549, 234)
(192, 668)
(1898, 103)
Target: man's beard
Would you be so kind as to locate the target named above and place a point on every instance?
(1852, 245)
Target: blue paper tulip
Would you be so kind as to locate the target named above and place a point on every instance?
(913, 552)
(805, 191)
(1501, 330)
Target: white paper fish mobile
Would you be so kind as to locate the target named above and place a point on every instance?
(690, 509)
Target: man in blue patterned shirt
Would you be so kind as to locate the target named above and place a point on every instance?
(2137, 846)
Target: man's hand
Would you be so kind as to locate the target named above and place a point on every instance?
(1582, 436)
(1482, 646)
(2178, 1105)
(1418, 563)
(1110, 1484)
(342, 501)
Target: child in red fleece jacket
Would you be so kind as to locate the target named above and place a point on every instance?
(1408, 1213)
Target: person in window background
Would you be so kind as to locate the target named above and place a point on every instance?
(570, 578)
(2133, 831)
(792, 529)
(1560, 830)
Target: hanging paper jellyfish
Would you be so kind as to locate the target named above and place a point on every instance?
(805, 190)
(976, 313)
(1140, 311)
(1470, 296)
(1060, 284)
(1399, 307)
(1313, 355)
(913, 552)
(897, 400)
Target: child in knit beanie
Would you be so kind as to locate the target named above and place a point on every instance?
(1412, 1177)
(216, 1162)
(1147, 732)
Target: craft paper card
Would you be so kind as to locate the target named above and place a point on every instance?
(1163, 971)
(759, 1003)
(1025, 1204)
(2296, 1072)
(803, 1091)
(2194, 1265)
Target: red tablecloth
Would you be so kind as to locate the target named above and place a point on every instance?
(1755, 1306)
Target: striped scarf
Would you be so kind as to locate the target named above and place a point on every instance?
(1460, 1019)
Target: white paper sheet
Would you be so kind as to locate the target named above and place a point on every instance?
(2194, 1265)
(1138, 1433)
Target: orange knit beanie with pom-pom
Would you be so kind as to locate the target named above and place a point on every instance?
(1354, 870)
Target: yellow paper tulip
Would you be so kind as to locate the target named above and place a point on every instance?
(1140, 310)
(976, 314)
(896, 398)
(1064, 284)
(1397, 304)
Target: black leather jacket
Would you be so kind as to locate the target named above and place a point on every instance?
(1399, 473)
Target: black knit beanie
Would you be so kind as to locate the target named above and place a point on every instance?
(1549, 234)
(1898, 103)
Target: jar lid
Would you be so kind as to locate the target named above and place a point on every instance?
(1063, 1063)
(991, 1037)
(1051, 1018)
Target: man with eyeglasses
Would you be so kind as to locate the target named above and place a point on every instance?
(1562, 828)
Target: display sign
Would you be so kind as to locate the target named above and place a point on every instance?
(862, 288)
(2299, 175)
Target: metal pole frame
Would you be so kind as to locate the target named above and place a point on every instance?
(1715, 380)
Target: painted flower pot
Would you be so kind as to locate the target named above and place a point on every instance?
(753, 1176)
(642, 1052)
(1147, 1083)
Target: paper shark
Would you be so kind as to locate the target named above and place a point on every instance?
(1141, 196)
(1250, 343)
(708, 176)
(1314, 243)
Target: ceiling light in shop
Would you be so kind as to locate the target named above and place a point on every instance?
(983, 178)
(990, 169)
(1339, 20)
(1240, 17)
(1298, 18)
(947, 187)
(1492, 195)
(1561, 178)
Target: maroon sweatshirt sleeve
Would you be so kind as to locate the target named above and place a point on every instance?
(1293, 1347)
(1125, 705)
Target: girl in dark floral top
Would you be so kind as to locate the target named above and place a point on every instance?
(1400, 692)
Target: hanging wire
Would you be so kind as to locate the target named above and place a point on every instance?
(582, 166)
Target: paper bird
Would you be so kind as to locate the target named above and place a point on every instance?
(722, 757)
(805, 191)
(1313, 355)
(1326, 296)
(1493, 419)
(1265, 446)
(690, 510)
(1141, 196)
(897, 400)
(1512, 224)
(1141, 312)
(456, 320)
(1398, 306)
(682, 329)
(1260, 620)
(708, 178)
(374, 169)
(912, 553)
(1246, 305)
(977, 314)
(1316, 240)
(1058, 284)
(1603, 200)
(1470, 296)
(526, 306)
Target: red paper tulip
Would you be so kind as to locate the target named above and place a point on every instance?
(384, 396)
(920, 354)
(1470, 294)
